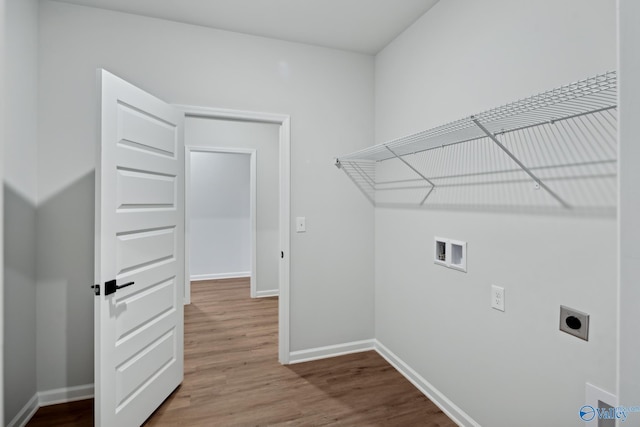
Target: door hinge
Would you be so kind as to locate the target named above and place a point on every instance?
(282, 254)
(96, 289)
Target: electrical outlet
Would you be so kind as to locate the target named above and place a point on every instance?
(574, 322)
(497, 297)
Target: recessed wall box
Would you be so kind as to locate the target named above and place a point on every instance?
(450, 253)
(440, 252)
(458, 255)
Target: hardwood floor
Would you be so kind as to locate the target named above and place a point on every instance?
(233, 378)
(77, 414)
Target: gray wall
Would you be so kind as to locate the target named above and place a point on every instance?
(459, 59)
(264, 137)
(629, 66)
(2, 144)
(19, 302)
(64, 301)
(20, 198)
(329, 95)
(219, 214)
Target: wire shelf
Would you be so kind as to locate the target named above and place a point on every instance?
(570, 130)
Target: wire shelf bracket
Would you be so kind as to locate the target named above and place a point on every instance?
(537, 180)
(433, 186)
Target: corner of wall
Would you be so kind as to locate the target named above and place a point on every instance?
(19, 207)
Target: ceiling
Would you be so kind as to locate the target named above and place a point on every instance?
(365, 26)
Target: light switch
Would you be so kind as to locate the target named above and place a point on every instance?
(301, 225)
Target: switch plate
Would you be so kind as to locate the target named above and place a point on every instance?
(301, 224)
(497, 297)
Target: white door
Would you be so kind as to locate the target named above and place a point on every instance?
(139, 320)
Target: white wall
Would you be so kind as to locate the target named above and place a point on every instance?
(19, 212)
(219, 215)
(328, 94)
(2, 144)
(501, 369)
(629, 129)
(264, 138)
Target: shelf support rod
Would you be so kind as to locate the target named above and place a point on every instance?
(416, 171)
(519, 163)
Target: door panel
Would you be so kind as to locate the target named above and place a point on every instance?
(143, 131)
(145, 249)
(133, 315)
(145, 190)
(138, 371)
(140, 244)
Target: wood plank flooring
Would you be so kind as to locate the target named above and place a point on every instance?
(233, 378)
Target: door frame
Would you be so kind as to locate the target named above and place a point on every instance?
(284, 149)
(252, 210)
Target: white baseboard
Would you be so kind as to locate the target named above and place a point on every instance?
(65, 395)
(26, 413)
(330, 351)
(218, 276)
(265, 294)
(447, 406)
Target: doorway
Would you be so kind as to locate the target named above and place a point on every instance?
(280, 165)
(221, 223)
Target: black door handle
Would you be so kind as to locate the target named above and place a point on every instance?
(110, 287)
